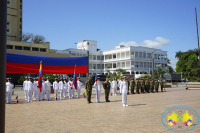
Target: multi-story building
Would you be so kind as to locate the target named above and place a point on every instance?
(134, 59)
(14, 20)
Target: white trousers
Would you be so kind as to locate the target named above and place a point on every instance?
(48, 94)
(70, 93)
(73, 92)
(26, 94)
(35, 93)
(29, 95)
(8, 96)
(114, 90)
(43, 94)
(124, 98)
(39, 95)
(98, 93)
(78, 92)
(56, 92)
(120, 90)
(61, 94)
(65, 93)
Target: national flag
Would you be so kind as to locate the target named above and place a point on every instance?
(75, 78)
(40, 77)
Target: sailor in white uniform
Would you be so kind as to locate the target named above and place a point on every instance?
(9, 90)
(48, 88)
(25, 88)
(114, 86)
(30, 89)
(124, 86)
(61, 88)
(97, 86)
(79, 83)
(56, 87)
(65, 88)
(70, 88)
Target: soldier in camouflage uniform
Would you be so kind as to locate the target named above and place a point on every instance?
(88, 87)
(138, 86)
(161, 85)
(106, 86)
(142, 85)
(147, 86)
(127, 80)
(132, 85)
(156, 85)
(152, 86)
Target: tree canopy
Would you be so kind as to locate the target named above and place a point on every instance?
(188, 63)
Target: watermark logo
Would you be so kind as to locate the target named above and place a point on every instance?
(180, 118)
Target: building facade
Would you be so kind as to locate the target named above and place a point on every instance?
(14, 20)
(133, 59)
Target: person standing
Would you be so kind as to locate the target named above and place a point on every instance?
(128, 82)
(114, 86)
(88, 87)
(147, 85)
(25, 88)
(9, 90)
(30, 89)
(161, 85)
(142, 85)
(65, 88)
(70, 88)
(156, 85)
(124, 92)
(48, 88)
(43, 88)
(56, 87)
(61, 88)
(35, 88)
(106, 86)
(97, 86)
(138, 86)
(79, 83)
(152, 86)
(132, 85)
(120, 90)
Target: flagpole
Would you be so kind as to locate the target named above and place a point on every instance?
(3, 31)
(197, 33)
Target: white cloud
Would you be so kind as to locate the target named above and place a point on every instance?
(159, 42)
(173, 62)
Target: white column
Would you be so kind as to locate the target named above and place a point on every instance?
(92, 65)
(125, 63)
(104, 58)
(112, 65)
(146, 55)
(130, 64)
(134, 54)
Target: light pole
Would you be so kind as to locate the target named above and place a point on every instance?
(197, 33)
(3, 30)
(153, 64)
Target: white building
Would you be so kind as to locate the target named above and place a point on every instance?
(134, 59)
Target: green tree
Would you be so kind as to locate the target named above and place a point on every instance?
(21, 79)
(160, 72)
(170, 70)
(120, 71)
(37, 39)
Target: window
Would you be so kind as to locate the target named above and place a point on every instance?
(20, 6)
(20, 33)
(8, 30)
(20, 1)
(20, 26)
(20, 20)
(9, 47)
(8, 2)
(27, 48)
(34, 49)
(18, 47)
(20, 39)
(42, 50)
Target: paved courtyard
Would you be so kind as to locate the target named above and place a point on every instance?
(143, 115)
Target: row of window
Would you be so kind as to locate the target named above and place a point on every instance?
(26, 48)
(9, 2)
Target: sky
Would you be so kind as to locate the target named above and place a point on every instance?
(166, 24)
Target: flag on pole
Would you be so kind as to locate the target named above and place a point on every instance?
(96, 78)
(40, 77)
(75, 78)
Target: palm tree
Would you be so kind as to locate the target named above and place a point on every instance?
(170, 70)
(178, 54)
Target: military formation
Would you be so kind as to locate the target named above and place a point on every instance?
(32, 91)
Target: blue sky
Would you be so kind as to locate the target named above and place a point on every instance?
(166, 24)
